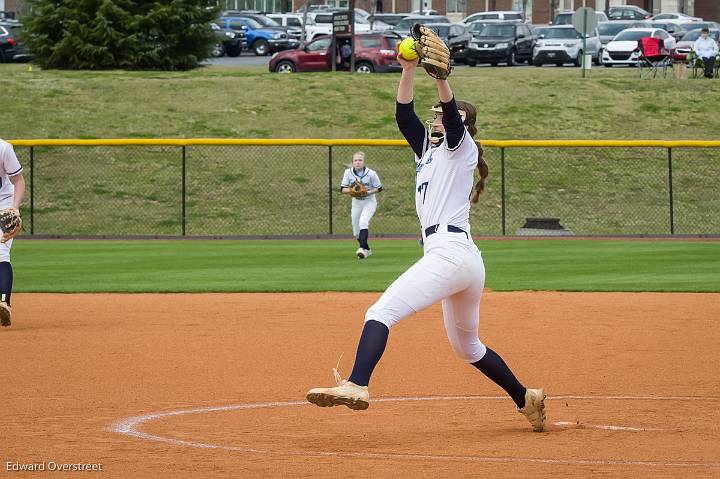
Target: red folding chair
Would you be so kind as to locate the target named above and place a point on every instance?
(654, 57)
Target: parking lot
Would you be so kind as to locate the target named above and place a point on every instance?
(249, 59)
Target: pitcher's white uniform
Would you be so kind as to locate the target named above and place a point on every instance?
(9, 166)
(362, 209)
(452, 268)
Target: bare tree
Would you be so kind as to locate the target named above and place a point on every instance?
(22, 8)
(305, 9)
(553, 8)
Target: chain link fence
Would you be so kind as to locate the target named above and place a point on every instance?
(265, 188)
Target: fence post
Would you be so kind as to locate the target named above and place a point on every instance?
(330, 201)
(502, 186)
(183, 188)
(32, 190)
(670, 191)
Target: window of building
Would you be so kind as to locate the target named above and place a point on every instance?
(456, 6)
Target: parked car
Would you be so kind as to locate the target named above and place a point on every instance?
(316, 8)
(391, 19)
(686, 27)
(507, 16)
(262, 40)
(674, 17)
(608, 30)
(628, 12)
(325, 17)
(426, 11)
(374, 52)
(455, 36)
(295, 20)
(539, 30)
(672, 28)
(403, 28)
(228, 42)
(500, 42)
(683, 47)
(565, 18)
(376, 25)
(7, 45)
(623, 49)
(11, 48)
(563, 44)
(293, 32)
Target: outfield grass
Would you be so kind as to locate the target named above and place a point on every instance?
(252, 266)
(249, 102)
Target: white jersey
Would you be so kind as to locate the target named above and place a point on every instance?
(367, 177)
(444, 183)
(9, 166)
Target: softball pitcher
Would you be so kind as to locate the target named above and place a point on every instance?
(451, 269)
(12, 191)
(362, 184)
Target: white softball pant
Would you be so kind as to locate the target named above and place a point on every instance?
(451, 270)
(362, 212)
(5, 247)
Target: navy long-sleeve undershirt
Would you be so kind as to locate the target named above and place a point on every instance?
(453, 124)
(414, 132)
(411, 127)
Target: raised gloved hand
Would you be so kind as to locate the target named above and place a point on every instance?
(433, 53)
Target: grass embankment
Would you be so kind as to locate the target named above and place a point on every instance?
(249, 102)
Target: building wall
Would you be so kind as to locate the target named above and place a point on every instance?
(707, 9)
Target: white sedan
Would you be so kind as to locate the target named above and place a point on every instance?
(622, 50)
(674, 17)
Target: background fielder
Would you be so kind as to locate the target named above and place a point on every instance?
(363, 208)
(12, 191)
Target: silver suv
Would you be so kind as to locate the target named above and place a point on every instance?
(563, 44)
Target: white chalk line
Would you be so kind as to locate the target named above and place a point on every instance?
(128, 427)
(583, 425)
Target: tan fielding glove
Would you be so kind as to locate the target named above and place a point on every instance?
(434, 54)
(10, 223)
(358, 190)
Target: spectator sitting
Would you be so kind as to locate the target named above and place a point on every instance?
(345, 54)
(707, 49)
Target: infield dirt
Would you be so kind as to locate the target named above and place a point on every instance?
(632, 379)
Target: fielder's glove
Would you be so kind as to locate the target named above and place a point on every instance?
(358, 190)
(434, 54)
(10, 223)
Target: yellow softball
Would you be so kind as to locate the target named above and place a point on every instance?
(407, 49)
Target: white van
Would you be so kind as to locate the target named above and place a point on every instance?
(506, 16)
(295, 20)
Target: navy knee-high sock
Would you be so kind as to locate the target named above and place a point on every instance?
(493, 366)
(363, 239)
(6, 280)
(370, 350)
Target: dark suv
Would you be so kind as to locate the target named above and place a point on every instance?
(10, 47)
(500, 42)
(374, 52)
(227, 41)
(456, 37)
